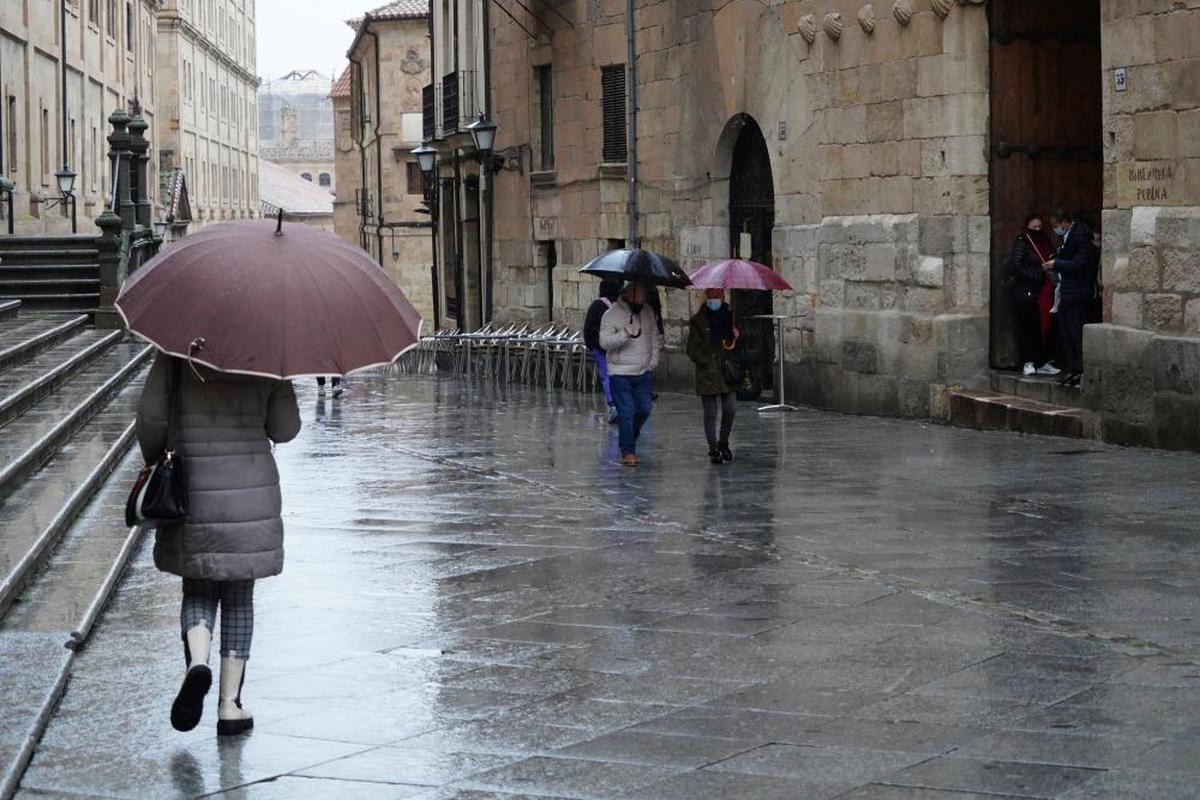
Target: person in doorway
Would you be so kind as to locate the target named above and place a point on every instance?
(1076, 262)
(224, 430)
(712, 336)
(335, 384)
(631, 341)
(610, 290)
(1032, 294)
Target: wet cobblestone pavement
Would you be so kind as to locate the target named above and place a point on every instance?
(479, 603)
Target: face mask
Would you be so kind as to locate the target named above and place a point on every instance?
(1061, 231)
(714, 305)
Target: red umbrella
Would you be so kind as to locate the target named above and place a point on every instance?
(259, 299)
(738, 274)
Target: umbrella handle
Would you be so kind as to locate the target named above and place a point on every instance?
(279, 223)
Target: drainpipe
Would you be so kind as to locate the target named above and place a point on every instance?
(362, 163)
(63, 70)
(379, 223)
(488, 283)
(631, 168)
(435, 201)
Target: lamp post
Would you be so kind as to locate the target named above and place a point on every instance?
(160, 228)
(66, 192)
(426, 156)
(6, 196)
(66, 178)
(483, 133)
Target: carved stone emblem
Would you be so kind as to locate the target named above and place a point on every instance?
(902, 11)
(942, 7)
(412, 64)
(833, 25)
(866, 18)
(808, 28)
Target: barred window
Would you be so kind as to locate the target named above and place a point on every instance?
(612, 84)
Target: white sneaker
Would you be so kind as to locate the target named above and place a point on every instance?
(1048, 369)
(1029, 368)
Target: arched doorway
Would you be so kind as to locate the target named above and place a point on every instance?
(751, 222)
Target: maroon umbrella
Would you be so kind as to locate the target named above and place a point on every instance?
(282, 302)
(738, 274)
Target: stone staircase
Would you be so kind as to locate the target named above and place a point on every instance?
(1034, 404)
(68, 396)
(59, 273)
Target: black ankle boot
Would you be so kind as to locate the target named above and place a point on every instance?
(714, 456)
(726, 453)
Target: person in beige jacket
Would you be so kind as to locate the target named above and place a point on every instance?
(631, 342)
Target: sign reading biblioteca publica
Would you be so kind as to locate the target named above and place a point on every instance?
(1150, 183)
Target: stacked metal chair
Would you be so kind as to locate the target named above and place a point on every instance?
(549, 357)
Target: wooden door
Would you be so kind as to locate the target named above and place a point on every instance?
(1046, 130)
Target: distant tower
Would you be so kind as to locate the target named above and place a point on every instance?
(287, 125)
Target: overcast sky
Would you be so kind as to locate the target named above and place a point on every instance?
(306, 35)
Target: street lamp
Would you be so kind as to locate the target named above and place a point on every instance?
(483, 133)
(66, 191)
(426, 156)
(160, 228)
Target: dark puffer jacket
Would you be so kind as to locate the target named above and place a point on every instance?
(227, 422)
(1078, 261)
(709, 357)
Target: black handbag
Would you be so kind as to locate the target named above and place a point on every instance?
(160, 492)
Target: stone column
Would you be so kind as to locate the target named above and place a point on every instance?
(119, 158)
(140, 159)
(110, 270)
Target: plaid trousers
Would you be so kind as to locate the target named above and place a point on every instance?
(236, 599)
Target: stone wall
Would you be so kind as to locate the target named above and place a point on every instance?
(877, 140)
(1143, 365)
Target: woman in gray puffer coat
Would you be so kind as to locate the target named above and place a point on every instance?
(233, 533)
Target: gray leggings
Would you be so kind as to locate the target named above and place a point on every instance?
(727, 405)
(236, 599)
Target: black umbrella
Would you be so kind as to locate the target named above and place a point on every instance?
(638, 265)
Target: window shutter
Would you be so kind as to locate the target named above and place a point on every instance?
(612, 81)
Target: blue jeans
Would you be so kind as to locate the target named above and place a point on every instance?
(631, 393)
(601, 360)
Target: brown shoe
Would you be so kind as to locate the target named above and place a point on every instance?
(629, 460)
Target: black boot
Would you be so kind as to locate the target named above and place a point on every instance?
(714, 456)
(726, 453)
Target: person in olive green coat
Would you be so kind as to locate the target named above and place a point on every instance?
(712, 337)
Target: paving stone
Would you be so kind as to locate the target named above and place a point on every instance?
(998, 777)
(566, 777)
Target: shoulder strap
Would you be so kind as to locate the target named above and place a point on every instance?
(607, 303)
(173, 392)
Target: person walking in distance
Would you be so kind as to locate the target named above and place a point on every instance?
(712, 337)
(335, 384)
(224, 430)
(630, 339)
(1076, 262)
(610, 290)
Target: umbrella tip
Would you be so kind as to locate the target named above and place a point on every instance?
(279, 223)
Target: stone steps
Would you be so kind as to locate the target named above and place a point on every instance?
(51, 272)
(988, 410)
(1042, 388)
(40, 332)
(24, 385)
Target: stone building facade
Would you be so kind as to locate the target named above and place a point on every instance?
(111, 49)
(379, 199)
(347, 166)
(880, 155)
(296, 125)
(206, 74)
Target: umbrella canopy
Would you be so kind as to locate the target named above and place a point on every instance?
(638, 265)
(240, 297)
(738, 274)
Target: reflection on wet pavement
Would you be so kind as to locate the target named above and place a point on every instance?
(479, 602)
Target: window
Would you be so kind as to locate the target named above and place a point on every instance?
(11, 116)
(46, 136)
(94, 12)
(324, 180)
(307, 176)
(416, 184)
(612, 84)
(111, 18)
(129, 27)
(614, 244)
(546, 113)
(95, 158)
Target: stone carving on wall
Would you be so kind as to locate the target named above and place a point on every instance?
(808, 28)
(902, 11)
(833, 25)
(413, 64)
(942, 7)
(866, 18)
